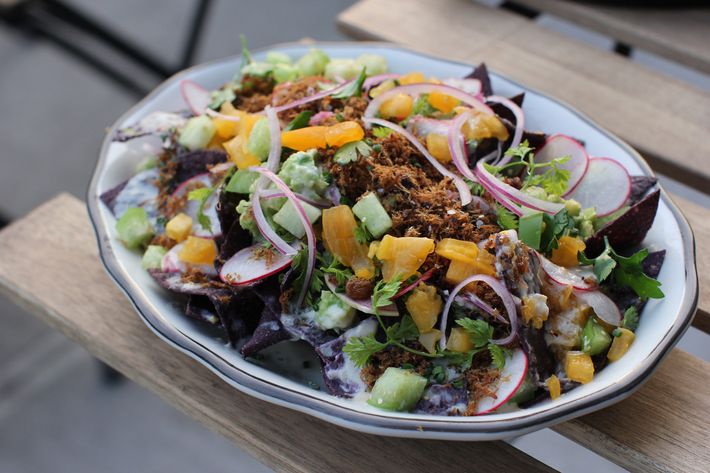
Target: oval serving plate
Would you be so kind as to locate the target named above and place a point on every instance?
(280, 377)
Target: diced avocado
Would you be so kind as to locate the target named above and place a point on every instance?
(277, 57)
(573, 207)
(302, 175)
(333, 312)
(525, 392)
(530, 229)
(370, 212)
(134, 228)
(595, 340)
(153, 257)
(285, 73)
(241, 181)
(260, 139)
(397, 390)
(197, 133)
(374, 64)
(246, 218)
(313, 63)
(342, 68)
(288, 218)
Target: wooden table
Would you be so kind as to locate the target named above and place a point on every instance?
(49, 265)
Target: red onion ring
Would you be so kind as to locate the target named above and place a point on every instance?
(461, 186)
(310, 232)
(312, 98)
(500, 290)
(425, 88)
(481, 304)
(370, 82)
(321, 204)
(519, 122)
(424, 277)
(500, 198)
(457, 146)
(265, 229)
(214, 114)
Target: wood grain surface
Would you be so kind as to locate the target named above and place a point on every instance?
(663, 118)
(679, 34)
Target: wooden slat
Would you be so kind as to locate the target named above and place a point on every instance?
(679, 34)
(663, 118)
(49, 265)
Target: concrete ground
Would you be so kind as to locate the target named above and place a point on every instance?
(56, 412)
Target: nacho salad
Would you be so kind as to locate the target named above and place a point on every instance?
(437, 255)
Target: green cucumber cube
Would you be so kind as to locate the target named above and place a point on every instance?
(259, 140)
(530, 229)
(242, 181)
(595, 340)
(134, 228)
(397, 390)
(370, 212)
(288, 218)
(197, 133)
(153, 257)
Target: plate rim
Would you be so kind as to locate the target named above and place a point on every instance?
(366, 421)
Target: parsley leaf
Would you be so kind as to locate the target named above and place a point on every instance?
(403, 330)
(631, 319)
(553, 180)
(354, 89)
(301, 120)
(423, 107)
(506, 219)
(381, 131)
(339, 271)
(362, 234)
(349, 152)
(478, 330)
(498, 355)
(556, 226)
(476, 188)
(384, 292)
(201, 195)
(360, 349)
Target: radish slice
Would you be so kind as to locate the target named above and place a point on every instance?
(195, 96)
(557, 146)
(363, 305)
(511, 377)
(171, 263)
(606, 186)
(470, 86)
(579, 278)
(192, 207)
(604, 307)
(253, 264)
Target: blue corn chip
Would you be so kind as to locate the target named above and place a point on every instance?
(140, 190)
(192, 163)
(541, 362)
(154, 124)
(304, 329)
(640, 186)
(201, 309)
(443, 399)
(269, 330)
(480, 72)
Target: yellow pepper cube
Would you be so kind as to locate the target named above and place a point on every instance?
(386, 248)
(236, 149)
(429, 339)
(553, 386)
(438, 146)
(424, 305)
(457, 250)
(382, 88)
(402, 257)
(412, 78)
(486, 263)
(198, 251)
(459, 340)
(566, 252)
(339, 238)
(399, 107)
(620, 344)
(482, 126)
(343, 133)
(579, 367)
(458, 271)
(179, 227)
(305, 138)
(443, 102)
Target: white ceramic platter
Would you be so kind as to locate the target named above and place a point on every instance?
(280, 377)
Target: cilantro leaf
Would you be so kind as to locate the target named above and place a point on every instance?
(201, 195)
(339, 271)
(498, 355)
(476, 188)
(301, 120)
(384, 292)
(360, 349)
(354, 89)
(218, 97)
(438, 374)
(478, 330)
(381, 131)
(403, 330)
(423, 107)
(631, 319)
(362, 234)
(349, 152)
(556, 226)
(506, 219)
(463, 360)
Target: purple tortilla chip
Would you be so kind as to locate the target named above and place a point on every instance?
(193, 163)
(109, 197)
(269, 330)
(503, 111)
(201, 309)
(480, 72)
(628, 230)
(640, 185)
(442, 399)
(541, 363)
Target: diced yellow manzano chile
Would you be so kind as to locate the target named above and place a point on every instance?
(198, 251)
(339, 227)
(579, 367)
(459, 340)
(466, 259)
(344, 133)
(621, 343)
(424, 305)
(553, 386)
(401, 257)
(305, 138)
(566, 252)
(179, 227)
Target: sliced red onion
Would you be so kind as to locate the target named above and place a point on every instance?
(519, 122)
(502, 292)
(457, 146)
(604, 307)
(196, 97)
(265, 229)
(319, 117)
(424, 277)
(321, 204)
(504, 201)
(214, 114)
(481, 304)
(580, 279)
(514, 194)
(310, 232)
(312, 98)
(418, 89)
(461, 186)
(363, 305)
(370, 82)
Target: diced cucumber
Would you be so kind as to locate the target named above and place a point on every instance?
(397, 390)
(134, 228)
(595, 340)
(370, 212)
(241, 181)
(277, 57)
(525, 392)
(530, 229)
(153, 257)
(197, 133)
(285, 72)
(288, 218)
(259, 139)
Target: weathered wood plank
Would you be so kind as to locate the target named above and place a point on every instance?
(663, 118)
(679, 34)
(49, 264)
